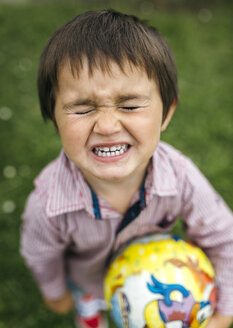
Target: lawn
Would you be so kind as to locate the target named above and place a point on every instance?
(202, 128)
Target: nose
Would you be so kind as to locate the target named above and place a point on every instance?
(107, 123)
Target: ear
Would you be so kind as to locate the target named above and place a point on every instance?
(169, 116)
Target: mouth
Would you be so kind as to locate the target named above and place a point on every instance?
(113, 151)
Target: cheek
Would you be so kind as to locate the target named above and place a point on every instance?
(154, 123)
(74, 133)
(147, 127)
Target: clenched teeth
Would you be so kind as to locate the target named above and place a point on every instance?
(111, 151)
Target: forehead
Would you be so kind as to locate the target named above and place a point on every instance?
(112, 72)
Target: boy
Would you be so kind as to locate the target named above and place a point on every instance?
(108, 82)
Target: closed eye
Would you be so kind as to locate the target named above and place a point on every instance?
(85, 112)
(130, 108)
(76, 110)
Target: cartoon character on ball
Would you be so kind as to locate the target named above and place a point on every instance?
(160, 281)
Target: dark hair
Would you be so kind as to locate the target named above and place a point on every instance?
(101, 37)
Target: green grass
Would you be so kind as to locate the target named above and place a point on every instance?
(202, 127)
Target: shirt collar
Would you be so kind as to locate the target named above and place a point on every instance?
(161, 179)
(68, 190)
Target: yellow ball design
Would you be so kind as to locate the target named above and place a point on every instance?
(160, 281)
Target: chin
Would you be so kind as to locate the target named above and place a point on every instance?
(112, 176)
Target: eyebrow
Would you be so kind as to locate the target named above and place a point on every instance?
(119, 100)
(127, 97)
(79, 102)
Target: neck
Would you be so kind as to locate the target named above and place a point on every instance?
(118, 193)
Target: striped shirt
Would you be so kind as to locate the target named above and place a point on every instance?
(61, 237)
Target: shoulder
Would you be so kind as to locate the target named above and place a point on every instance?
(61, 188)
(48, 174)
(167, 170)
(172, 156)
(169, 150)
(172, 169)
(187, 175)
(48, 180)
(180, 162)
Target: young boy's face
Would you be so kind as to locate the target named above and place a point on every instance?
(109, 123)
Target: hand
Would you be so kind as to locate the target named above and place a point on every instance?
(219, 320)
(62, 305)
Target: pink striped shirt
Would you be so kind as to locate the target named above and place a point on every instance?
(61, 237)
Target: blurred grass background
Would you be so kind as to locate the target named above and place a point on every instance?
(200, 34)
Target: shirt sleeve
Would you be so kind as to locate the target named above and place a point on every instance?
(43, 249)
(210, 224)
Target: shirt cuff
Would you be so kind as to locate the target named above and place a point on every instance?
(53, 290)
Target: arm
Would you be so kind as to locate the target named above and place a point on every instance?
(43, 250)
(210, 224)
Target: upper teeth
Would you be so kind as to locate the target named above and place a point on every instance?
(110, 151)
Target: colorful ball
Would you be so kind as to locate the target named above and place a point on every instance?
(160, 281)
